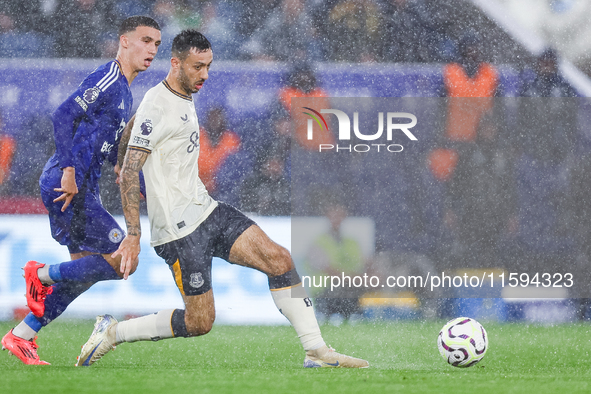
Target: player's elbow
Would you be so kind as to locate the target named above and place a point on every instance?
(67, 111)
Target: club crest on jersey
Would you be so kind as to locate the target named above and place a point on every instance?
(146, 127)
(91, 94)
(115, 235)
(196, 280)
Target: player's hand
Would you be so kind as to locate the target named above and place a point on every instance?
(129, 250)
(69, 188)
(117, 171)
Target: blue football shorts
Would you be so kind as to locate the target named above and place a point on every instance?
(190, 257)
(86, 224)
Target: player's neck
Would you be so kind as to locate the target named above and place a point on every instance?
(175, 85)
(128, 71)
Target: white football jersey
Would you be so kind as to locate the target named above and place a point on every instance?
(166, 126)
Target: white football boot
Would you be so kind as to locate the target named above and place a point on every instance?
(101, 341)
(326, 357)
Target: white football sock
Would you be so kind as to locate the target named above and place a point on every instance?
(22, 330)
(43, 274)
(152, 327)
(300, 313)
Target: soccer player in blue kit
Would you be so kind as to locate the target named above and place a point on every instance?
(88, 128)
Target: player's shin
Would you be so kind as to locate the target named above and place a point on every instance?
(63, 294)
(152, 327)
(89, 269)
(56, 303)
(292, 301)
(28, 328)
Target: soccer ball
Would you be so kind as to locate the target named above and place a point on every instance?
(462, 342)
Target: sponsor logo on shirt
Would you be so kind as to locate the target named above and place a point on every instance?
(106, 148)
(194, 142)
(140, 141)
(81, 103)
(146, 127)
(91, 94)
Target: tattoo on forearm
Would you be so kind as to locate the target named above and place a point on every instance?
(124, 141)
(133, 230)
(130, 189)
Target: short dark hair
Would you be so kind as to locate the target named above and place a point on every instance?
(188, 39)
(133, 22)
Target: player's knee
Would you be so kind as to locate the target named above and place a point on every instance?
(133, 269)
(282, 261)
(200, 323)
(199, 327)
(116, 264)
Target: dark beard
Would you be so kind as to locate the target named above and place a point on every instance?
(185, 83)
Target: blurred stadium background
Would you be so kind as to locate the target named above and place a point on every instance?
(266, 51)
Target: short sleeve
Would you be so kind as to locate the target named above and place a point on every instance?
(93, 93)
(149, 128)
(90, 98)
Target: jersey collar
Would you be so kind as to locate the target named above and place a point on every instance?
(184, 96)
(121, 71)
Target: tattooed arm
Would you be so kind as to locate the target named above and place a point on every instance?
(130, 199)
(123, 148)
(124, 141)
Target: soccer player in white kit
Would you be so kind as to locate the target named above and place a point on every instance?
(188, 227)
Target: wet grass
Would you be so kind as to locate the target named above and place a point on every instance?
(403, 357)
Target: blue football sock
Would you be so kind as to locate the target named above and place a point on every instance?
(72, 279)
(90, 269)
(56, 303)
(54, 273)
(33, 322)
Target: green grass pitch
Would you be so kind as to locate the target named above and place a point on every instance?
(254, 359)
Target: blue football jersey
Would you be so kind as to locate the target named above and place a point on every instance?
(88, 124)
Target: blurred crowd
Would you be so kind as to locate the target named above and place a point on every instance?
(282, 30)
